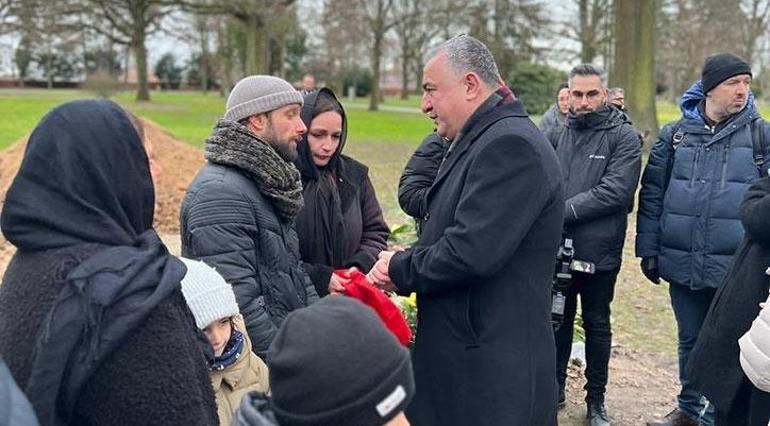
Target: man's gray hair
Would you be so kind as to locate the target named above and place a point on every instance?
(586, 70)
(616, 90)
(467, 54)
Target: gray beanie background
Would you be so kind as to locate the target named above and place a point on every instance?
(208, 295)
(257, 94)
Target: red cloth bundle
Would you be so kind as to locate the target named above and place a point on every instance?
(359, 287)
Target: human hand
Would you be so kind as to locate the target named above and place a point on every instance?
(337, 284)
(650, 269)
(379, 274)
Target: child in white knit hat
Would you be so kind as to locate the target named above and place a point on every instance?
(235, 370)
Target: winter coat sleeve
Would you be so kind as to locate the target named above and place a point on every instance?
(495, 212)
(755, 212)
(374, 235)
(654, 184)
(615, 190)
(222, 232)
(418, 175)
(548, 120)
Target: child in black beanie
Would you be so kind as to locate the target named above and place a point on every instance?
(333, 363)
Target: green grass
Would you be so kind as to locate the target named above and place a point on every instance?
(190, 115)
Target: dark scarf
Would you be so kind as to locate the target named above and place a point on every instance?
(590, 120)
(232, 144)
(85, 179)
(321, 225)
(230, 354)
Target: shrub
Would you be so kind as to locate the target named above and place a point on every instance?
(535, 85)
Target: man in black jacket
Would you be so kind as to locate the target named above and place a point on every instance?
(600, 160)
(238, 213)
(481, 269)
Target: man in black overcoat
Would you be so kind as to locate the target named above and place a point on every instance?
(484, 353)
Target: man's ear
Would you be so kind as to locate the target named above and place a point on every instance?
(258, 122)
(473, 86)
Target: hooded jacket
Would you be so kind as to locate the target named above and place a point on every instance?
(93, 324)
(599, 154)
(341, 223)
(689, 202)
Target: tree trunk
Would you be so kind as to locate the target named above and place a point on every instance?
(374, 98)
(140, 54)
(587, 47)
(204, 65)
(256, 46)
(634, 64)
(405, 75)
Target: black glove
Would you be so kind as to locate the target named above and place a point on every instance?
(650, 269)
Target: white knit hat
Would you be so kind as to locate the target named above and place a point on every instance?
(256, 94)
(209, 297)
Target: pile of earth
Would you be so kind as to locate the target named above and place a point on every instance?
(178, 160)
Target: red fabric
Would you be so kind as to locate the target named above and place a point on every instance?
(359, 287)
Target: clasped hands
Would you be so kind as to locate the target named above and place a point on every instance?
(379, 272)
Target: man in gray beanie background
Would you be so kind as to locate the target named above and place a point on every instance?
(688, 222)
(238, 213)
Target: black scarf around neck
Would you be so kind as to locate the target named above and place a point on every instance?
(85, 179)
(233, 144)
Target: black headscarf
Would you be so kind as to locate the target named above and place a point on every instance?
(320, 224)
(85, 179)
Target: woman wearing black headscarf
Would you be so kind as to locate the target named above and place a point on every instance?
(341, 224)
(93, 324)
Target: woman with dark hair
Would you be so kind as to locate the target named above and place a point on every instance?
(341, 224)
(93, 324)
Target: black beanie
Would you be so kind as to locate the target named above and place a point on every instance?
(720, 67)
(334, 363)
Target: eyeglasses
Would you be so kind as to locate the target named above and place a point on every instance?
(591, 94)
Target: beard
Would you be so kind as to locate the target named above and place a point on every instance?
(282, 147)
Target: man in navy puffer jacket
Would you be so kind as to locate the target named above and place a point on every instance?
(688, 225)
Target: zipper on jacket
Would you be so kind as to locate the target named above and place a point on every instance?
(695, 164)
(724, 165)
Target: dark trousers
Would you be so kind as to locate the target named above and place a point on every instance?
(751, 408)
(690, 309)
(596, 292)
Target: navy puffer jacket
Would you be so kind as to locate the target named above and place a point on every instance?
(688, 203)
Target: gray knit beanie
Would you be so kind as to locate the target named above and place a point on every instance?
(256, 94)
(209, 297)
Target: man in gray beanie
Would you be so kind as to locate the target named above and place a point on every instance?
(239, 211)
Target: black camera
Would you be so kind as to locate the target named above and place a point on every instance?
(562, 279)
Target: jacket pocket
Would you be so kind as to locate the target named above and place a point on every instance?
(471, 319)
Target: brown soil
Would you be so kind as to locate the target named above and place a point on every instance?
(641, 386)
(179, 161)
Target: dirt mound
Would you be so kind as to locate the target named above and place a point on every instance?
(179, 161)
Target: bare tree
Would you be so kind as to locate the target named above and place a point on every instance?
(757, 13)
(589, 28)
(380, 18)
(130, 22)
(255, 18)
